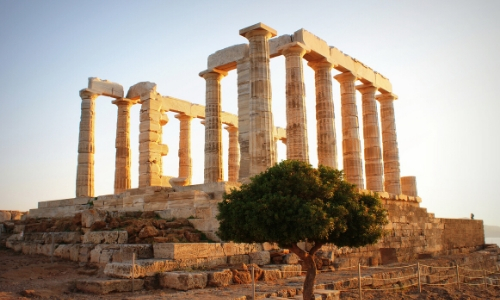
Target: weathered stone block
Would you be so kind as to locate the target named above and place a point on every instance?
(291, 259)
(105, 87)
(5, 216)
(181, 251)
(105, 237)
(220, 278)
(183, 281)
(260, 258)
(238, 259)
(103, 286)
(91, 216)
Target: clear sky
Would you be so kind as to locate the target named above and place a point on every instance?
(440, 56)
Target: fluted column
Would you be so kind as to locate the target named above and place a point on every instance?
(185, 161)
(351, 145)
(409, 186)
(122, 145)
(325, 115)
(213, 126)
(243, 72)
(373, 153)
(261, 143)
(296, 121)
(86, 150)
(392, 179)
(233, 161)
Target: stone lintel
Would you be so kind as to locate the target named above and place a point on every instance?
(106, 87)
(226, 59)
(258, 26)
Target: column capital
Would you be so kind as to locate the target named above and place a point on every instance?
(366, 88)
(258, 29)
(124, 101)
(345, 77)
(320, 64)
(183, 117)
(386, 97)
(295, 48)
(88, 94)
(231, 129)
(213, 74)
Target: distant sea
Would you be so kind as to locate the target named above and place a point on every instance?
(493, 240)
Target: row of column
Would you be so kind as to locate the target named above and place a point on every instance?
(256, 122)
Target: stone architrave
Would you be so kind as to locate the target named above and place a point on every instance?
(296, 121)
(325, 115)
(261, 142)
(122, 145)
(150, 148)
(351, 145)
(392, 179)
(185, 161)
(85, 169)
(233, 161)
(243, 73)
(373, 154)
(213, 126)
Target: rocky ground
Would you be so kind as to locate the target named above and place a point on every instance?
(35, 276)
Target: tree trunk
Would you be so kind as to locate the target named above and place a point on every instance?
(308, 259)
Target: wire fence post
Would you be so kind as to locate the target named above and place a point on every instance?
(419, 282)
(458, 276)
(253, 283)
(133, 270)
(52, 249)
(359, 281)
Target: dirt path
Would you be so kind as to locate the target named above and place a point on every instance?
(34, 276)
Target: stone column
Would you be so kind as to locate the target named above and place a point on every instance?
(151, 149)
(296, 121)
(86, 150)
(185, 162)
(351, 145)
(392, 182)
(122, 145)
(325, 115)
(373, 153)
(409, 186)
(261, 143)
(233, 161)
(213, 126)
(243, 71)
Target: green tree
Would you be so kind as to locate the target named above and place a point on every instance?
(293, 202)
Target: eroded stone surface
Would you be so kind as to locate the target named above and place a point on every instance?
(183, 280)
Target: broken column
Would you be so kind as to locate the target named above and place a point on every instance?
(185, 162)
(392, 180)
(409, 186)
(373, 153)
(261, 142)
(122, 145)
(85, 169)
(296, 121)
(325, 116)
(213, 126)
(233, 161)
(351, 145)
(150, 148)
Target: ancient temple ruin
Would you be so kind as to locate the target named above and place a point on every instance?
(253, 138)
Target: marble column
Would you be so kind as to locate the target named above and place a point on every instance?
(122, 145)
(185, 161)
(213, 126)
(86, 150)
(392, 180)
(233, 161)
(325, 115)
(373, 154)
(296, 121)
(243, 73)
(351, 145)
(261, 142)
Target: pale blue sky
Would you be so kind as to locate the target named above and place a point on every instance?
(440, 56)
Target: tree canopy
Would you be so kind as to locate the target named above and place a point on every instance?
(293, 202)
